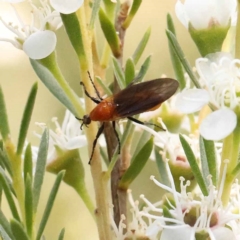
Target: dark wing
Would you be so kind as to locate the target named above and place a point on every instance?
(144, 96)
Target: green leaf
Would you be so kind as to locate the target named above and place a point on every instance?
(109, 32)
(119, 74)
(61, 235)
(18, 230)
(27, 169)
(177, 66)
(143, 70)
(8, 193)
(49, 205)
(129, 71)
(194, 165)
(104, 86)
(4, 128)
(110, 8)
(161, 164)
(52, 85)
(141, 46)
(3, 234)
(178, 51)
(5, 225)
(135, 6)
(40, 168)
(95, 9)
(142, 140)
(235, 171)
(204, 162)
(211, 158)
(137, 165)
(29, 205)
(4, 162)
(26, 118)
(73, 30)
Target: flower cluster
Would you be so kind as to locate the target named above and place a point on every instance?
(219, 77)
(37, 38)
(184, 215)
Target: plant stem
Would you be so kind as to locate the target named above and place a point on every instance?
(119, 196)
(50, 63)
(230, 151)
(102, 212)
(17, 177)
(237, 37)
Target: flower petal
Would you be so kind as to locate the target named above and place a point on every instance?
(76, 142)
(182, 233)
(66, 6)
(202, 13)
(223, 233)
(218, 124)
(191, 100)
(181, 14)
(40, 44)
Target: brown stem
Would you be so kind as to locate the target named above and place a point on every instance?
(118, 195)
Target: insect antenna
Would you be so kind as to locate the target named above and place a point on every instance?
(88, 95)
(97, 92)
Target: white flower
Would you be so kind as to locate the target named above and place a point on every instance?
(220, 78)
(205, 13)
(66, 6)
(36, 39)
(192, 215)
(138, 227)
(69, 136)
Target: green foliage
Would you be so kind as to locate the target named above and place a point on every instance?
(141, 46)
(52, 85)
(137, 165)
(161, 165)
(73, 30)
(29, 205)
(135, 6)
(26, 118)
(49, 205)
(95, 9)
(40, 168)
(4, 128)
(129, 71)
(18, 230)
(109, 33)
(106, 89)
(177, 66)
(27, 168)
(119, 74)
(8, 193)
(208, 160)
(143, 70)
(178, 51)
(194, 165)
(61, 235)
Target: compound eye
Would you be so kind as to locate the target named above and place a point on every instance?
(86, 120)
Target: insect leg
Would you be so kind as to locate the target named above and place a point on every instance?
(145, 123)
(97, 92)
(86, 92)
(116, 134)
(100, 130)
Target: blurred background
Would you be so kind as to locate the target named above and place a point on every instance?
(17, 77)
